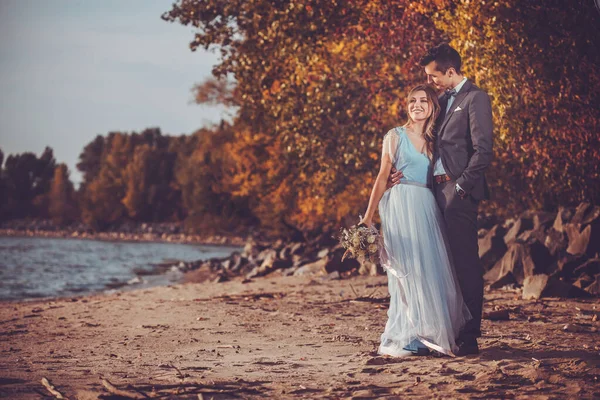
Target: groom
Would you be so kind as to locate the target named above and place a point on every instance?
(463, 151)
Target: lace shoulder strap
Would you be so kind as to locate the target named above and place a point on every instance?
(391, 141)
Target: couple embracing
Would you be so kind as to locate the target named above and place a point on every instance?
(429, 184)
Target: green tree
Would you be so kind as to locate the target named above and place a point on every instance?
(27, 180)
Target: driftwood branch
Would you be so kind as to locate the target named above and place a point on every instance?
(52, 389)
(124, 393)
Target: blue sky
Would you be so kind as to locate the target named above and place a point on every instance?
(73, 69)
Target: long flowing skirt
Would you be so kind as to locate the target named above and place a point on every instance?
(426, 302)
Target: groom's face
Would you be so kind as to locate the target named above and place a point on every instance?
(437, 78)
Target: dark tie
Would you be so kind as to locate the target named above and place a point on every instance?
(450, 93)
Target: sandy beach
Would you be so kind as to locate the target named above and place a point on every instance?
(285, 337)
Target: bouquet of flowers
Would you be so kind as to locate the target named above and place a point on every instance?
(362, 242)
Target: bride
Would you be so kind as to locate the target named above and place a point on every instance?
(426, 306)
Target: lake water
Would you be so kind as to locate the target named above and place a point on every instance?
(45, 267)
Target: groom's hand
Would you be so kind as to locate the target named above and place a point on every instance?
(394, 178)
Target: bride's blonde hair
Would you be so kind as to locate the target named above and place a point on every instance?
(429, 128)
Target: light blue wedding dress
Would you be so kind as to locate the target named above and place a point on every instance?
(426, 302)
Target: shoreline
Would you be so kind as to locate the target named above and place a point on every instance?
(115, 236)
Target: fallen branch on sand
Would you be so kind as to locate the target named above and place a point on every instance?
(52, 389)
(123, 393)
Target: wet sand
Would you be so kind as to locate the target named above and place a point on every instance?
(285, 337)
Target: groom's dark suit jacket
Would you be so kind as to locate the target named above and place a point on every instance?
(464, 139)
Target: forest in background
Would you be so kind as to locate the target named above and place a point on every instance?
(315, 85)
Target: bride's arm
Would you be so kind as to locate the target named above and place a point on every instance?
(379, 187)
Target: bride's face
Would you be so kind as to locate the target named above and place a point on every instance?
(419, 108)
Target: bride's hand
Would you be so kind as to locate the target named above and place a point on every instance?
(366, 222)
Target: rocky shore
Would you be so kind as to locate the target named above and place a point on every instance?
(541, 254)
(163, 232)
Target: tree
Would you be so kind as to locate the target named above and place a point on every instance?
(318, 84)
(62, 204)
(535, 60)
(27, 180)
(90, 159)
(101, 204)
(209, 203)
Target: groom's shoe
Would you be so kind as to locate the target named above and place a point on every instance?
(417, 348)
(467, 347)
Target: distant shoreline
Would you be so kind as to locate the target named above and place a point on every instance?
(147, 237)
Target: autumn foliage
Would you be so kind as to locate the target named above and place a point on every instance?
(315, 84)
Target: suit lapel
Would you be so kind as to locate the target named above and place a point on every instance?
(457, 101)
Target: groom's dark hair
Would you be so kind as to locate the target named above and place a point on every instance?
(445, 57)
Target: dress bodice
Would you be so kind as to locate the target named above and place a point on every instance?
(415, 166)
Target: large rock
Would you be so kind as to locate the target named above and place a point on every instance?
(542, 285)
(563, 216)
(594, 287)
(585, 212)
(532, 235)
(542, 220)
(270, 263)
(520, 261)
(583, 241)
(296, 248)
(555, 242)
(314, 268)
(589, 267)
(368, 268)
(520, 226)
(492, 247)
(567, 265)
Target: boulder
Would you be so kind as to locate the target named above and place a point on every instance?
(563, 216)
(589, 267)
(542, 220)
(314, 268)
(507, 279)
(533, 286)
(296, 248)
(594, 287)
(567, 265)
(542, 285)
(368, 268)
(585, 241)
(592, 216)
(323, 253)
(532, 235)
(492, 247)
(269, 264)
(580, 213)
(298, 260)
(520, 226)
(555, 241)
(520, 261)
(584, 281)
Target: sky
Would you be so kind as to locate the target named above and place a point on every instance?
(73, 69)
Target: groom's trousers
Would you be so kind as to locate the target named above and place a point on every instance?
(461, 228)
